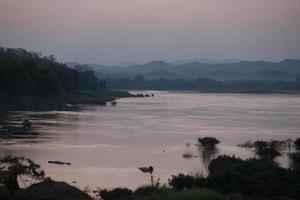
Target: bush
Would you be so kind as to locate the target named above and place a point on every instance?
(208, 142)
(116, 194)
(266, 150)
(52, 190)
(12, 168)
(295, 160)
(297, 143)
(150, 192)
(182, 181)
(252, 176)
(193, 194)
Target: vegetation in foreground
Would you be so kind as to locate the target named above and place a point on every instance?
(228, 178)
(159, 193)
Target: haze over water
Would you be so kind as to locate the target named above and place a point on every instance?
(106, 145)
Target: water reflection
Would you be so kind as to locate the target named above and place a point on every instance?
(207, 154)
(106, 145)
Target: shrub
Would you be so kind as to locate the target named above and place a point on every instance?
(297, 143)
(193, 194)
(12, 168)
(146, 190)
(295, 160)
(252, 176)
(181, 181)
(208, 142)
(116, 194)
(266, 150)
(52, 190)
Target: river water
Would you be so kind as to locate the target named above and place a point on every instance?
(106, 145)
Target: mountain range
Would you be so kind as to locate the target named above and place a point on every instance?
(288, 69)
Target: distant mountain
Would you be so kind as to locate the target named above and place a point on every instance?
(126, 64)
(242, 70)
(72, 64)
(205, 60)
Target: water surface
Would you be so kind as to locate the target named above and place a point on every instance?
(106, 145)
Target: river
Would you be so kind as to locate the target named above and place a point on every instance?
(107, 144)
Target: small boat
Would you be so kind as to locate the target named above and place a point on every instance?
(58, 162)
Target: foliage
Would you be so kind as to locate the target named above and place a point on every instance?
(269, 149)
(266, 150)
(162, 193)
(13, 167)
(231, 175)
(147, 191)
(181, 181)
(295, 160)
(208, 142)
(52, 190)
(276, 144)
(252, 176)
(193, 194)
(205, 84)
(24, 73)
(297, 143)
(116, 194)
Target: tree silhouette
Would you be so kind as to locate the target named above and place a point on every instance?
(12, 168)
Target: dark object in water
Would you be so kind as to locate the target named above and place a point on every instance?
(149, 169)
(58, 162)
(26, 124)
(139, 95)
(23, 128)
(4, 133)
(113, 103)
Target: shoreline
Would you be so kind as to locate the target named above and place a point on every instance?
(66, 101)
(222, 92)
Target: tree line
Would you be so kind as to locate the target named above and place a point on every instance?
(206, 84)
(24, 73)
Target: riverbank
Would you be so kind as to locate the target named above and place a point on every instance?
(63, 101)
(216, 91)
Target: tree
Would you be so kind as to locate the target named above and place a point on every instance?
(208, 142)
(181, 181)
(266, 150)
(13, 167)
(297, 143)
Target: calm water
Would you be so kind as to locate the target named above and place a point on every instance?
(106, 145)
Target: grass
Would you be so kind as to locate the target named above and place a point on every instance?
(191, 194)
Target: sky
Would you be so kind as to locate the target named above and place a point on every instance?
(138, 31)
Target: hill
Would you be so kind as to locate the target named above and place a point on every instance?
(240, 70)
(31, 81)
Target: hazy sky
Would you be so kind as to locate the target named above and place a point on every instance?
(116, 31)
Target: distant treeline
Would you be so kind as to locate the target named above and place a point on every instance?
(24, 73)
(204, 84)
(287, 70)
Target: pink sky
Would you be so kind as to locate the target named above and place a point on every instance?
(115, 31)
